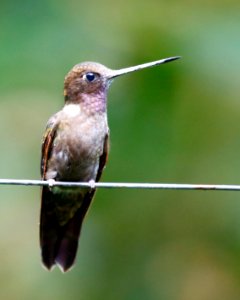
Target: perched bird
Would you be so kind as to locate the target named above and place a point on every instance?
(75, 148)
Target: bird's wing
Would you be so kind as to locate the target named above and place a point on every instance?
(47, 143)
(103, 157)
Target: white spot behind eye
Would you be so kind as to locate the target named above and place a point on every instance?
(72, 110)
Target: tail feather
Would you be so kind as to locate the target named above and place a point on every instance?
(67, 248)
(59, 243)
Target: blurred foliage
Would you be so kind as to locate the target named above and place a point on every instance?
(176, 123)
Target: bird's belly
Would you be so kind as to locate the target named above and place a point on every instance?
(76, 152)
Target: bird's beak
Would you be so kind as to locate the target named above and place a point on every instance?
(115, 73)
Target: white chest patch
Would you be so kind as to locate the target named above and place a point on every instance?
(72, 110)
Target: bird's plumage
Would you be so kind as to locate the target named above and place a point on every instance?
(74, 148)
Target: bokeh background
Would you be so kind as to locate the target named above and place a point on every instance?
(174, 123)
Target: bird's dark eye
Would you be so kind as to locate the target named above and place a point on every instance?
(90, 76)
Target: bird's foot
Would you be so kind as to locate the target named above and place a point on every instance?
(92, 184)
(51, 182)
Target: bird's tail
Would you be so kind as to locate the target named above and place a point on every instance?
(59, 240)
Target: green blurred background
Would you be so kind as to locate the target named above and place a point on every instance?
(174, 123)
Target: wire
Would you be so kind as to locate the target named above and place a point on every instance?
(127, 185)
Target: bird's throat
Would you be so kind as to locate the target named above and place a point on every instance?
(89, 104)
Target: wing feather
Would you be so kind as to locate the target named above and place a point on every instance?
(47, 143)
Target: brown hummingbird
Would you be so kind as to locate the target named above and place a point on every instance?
(75, 148)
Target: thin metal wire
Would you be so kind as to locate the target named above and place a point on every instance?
(126, 185)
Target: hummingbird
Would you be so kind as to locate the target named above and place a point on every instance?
(75, 148)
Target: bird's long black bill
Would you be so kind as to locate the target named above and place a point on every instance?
(116, 73)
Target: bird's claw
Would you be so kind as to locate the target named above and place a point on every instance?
(92, 184)
(51, 182)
